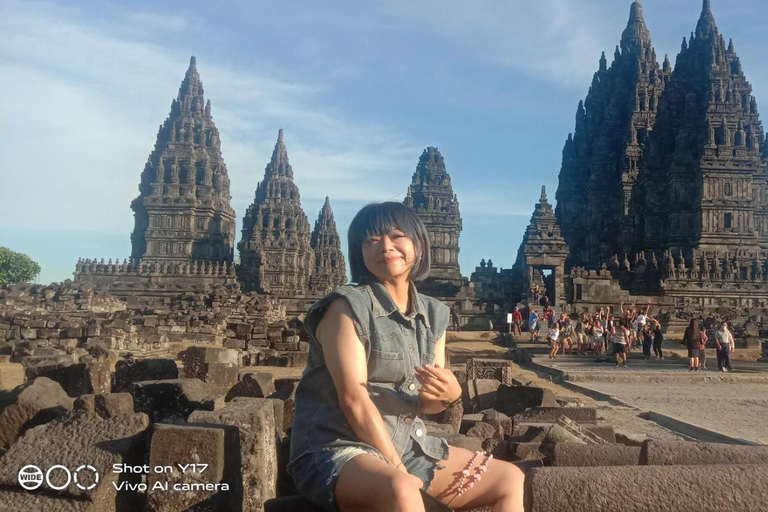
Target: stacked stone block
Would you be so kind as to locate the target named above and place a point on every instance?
(67, 324)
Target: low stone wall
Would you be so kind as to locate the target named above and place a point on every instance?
(713, 488)
(68, 322)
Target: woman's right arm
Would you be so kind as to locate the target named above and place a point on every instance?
(345, 358)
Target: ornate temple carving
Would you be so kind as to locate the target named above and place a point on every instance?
(541, 256)
(184, 226)
(705, 182)
(275, 251)
(602, 159)
(431, 195)
(183, 212)
(330, 268)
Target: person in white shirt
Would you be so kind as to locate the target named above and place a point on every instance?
(725, 345)
(642, 318)
(553, 339)
(619, 337)
(597, 337)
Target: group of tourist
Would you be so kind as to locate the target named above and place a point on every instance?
(604, 332)
(695, 340)
(597, 333)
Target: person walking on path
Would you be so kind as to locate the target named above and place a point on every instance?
(533, 325)
(658, 338)
(703, 350)
(517, 321)
(692, 340)
(725, 345)
(553, 338)
(455, 318)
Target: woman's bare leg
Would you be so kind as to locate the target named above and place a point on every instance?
(501, 486)
(367, 483)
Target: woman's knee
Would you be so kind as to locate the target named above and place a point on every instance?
(396, 493)
(402, 492)
(513, 478)
(405, 486)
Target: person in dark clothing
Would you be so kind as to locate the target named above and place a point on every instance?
(647, 341)
(725, 345)
(658, 338)
(692, 340)
(455, 322)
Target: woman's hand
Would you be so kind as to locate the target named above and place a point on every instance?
(437, 384)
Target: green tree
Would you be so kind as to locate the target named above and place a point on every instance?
(16, 267)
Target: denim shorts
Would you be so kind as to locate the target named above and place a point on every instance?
(315, 473)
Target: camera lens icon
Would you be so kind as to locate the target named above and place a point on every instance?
(30, 477)
(94, 479)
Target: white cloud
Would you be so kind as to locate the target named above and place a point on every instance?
(86, 106)
(556, 41)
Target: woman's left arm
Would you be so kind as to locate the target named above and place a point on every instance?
(438, 384)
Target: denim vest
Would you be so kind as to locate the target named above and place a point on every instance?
(394, 344)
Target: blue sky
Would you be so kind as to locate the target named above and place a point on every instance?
(360, 88)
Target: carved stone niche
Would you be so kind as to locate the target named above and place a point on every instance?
(497, 369)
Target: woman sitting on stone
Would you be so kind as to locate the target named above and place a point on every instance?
(376, 361)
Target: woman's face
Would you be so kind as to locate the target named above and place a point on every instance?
(389, 255)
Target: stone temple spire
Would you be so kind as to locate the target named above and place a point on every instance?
(541, 256)
(543, 210)
(601, 162)
(701, 186)
(183, 211)
(706, 27)
(431, 195)
(330, 268)
(191, 90)
(636, 36)
(275, 252)
(279, 164)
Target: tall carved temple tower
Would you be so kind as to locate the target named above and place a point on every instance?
(602, 160)
(275, 252)
(183, 213)
(542, 253)
(184, 226)
(704, 190)
(431, 195)
(330, 268)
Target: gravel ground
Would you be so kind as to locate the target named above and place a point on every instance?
(734, 409)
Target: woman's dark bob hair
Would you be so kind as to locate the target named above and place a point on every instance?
(377, 219)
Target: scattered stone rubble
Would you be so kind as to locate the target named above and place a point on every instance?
(104, 377)
(232, 437)
(47, 328)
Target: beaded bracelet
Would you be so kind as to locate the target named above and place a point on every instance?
(467, 478)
